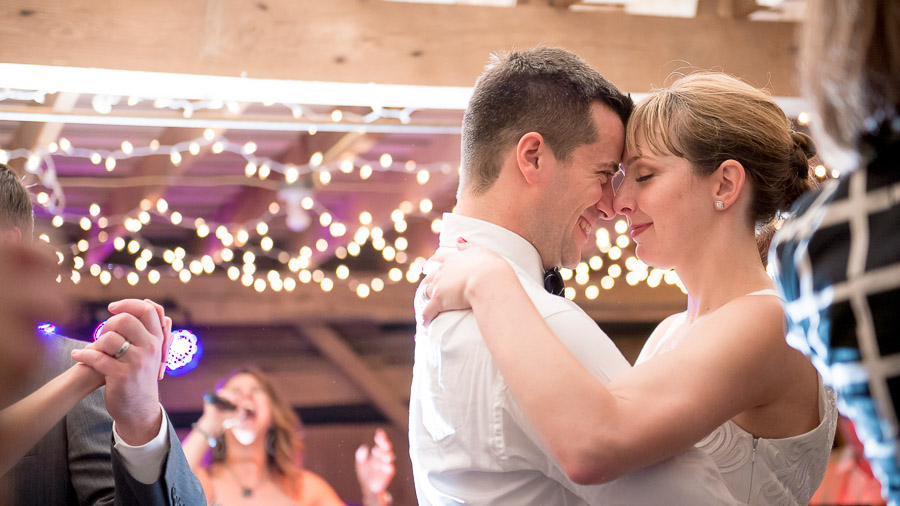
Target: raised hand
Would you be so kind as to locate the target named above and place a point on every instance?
(375, 469)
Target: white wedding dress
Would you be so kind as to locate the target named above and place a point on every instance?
(761, 471)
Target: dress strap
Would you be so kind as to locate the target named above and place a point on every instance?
(767, 291)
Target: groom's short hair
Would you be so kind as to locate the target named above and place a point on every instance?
(16, 210)
(546, 90)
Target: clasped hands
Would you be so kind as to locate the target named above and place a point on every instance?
(129, 357)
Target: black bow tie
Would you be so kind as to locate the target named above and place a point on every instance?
(553, 282)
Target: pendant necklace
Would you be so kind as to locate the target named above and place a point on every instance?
(245, 491)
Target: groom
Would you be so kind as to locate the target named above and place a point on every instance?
(542, 137)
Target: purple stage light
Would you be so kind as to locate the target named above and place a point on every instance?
(98, 331)
(184, 352)
(47, 329)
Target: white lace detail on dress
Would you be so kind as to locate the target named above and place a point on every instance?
(786, 471)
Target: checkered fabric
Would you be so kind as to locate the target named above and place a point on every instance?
(837, 264)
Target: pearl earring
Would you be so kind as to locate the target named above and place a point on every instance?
(720, 205)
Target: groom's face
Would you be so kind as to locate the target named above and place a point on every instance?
(580, 193)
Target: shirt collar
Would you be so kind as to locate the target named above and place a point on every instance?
(504, 242)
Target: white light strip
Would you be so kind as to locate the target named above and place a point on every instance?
(489, 3)
(126, 83)
(230, 124)
(791, 106)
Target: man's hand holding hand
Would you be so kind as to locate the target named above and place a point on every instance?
(131, 356)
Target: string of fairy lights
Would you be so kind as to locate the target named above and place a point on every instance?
(240, 245)
(103, 104)
(344, 241)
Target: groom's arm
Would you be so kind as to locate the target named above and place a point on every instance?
(148, 463)
(155, 476)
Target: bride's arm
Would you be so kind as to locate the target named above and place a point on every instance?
(24, 423)
(654, 411)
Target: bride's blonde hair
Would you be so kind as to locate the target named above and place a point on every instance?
(710, 117)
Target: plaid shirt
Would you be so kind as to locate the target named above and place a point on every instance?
(837, 263)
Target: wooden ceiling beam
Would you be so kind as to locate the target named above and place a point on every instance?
(383, 42)
(350, 145)
(331, 345)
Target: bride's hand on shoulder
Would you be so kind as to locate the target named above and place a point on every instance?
(449, 286)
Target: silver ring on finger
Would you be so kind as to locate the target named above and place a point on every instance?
(122, 349)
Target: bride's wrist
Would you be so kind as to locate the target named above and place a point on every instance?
(485, 281)
(83, 379)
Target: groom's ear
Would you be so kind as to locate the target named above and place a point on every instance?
(531, 153)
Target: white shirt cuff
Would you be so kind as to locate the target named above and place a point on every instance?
(144, 462)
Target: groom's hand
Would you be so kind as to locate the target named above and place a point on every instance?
(130, 355)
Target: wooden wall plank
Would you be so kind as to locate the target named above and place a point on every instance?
(385, 42)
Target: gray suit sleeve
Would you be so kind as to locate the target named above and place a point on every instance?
(88, 427)
(86, 431)
(177, 485)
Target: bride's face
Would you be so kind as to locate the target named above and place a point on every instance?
(249, 396)
(668, 208)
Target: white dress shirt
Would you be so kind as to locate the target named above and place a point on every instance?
(144, 462)
(470, 442)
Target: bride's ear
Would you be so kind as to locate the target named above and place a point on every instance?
(729, 182)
